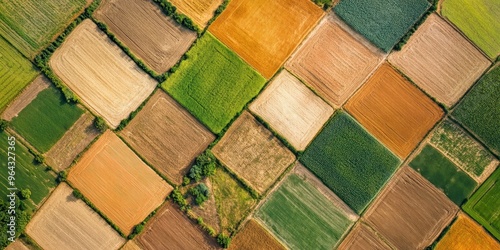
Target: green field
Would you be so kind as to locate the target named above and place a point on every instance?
(350, 161)
(479, 20)
(214, 84)
(480, 112)
(15, 73)
(383, 22)
(302, 217)
(30, 24)
(484, 205)
(45, 120)
(441, 172)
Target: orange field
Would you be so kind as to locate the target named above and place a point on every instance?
(264, 33)
(394, 111)
(254, 236)
(200, 11)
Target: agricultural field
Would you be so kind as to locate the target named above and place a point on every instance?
(254, 236)
(30, 24)
(118, 183)
(484, 205)
(292, 109)
(410, 213)
(394, 111)
(45, 120)
(214, 84)
(15, 72)
(141, 25)
(200, 11)
(209, 210)
(383, 22)
(350, 161)
(65, 222)
(99, 72)
(334, 60)
(363, 237)
(440, 60)
(167, 136)
(27, 95)
(130, 245)
(253, 153)
(479, 20)
(479, 110)
(265, 33)
(17, 245)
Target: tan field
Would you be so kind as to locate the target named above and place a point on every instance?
(410, 212)
(394, 111)
(141, 25)
(254, 236)
(26, 97)
(292, 109)
(99, 72)
(208, 211)
(65, 222)
(167, 136)
(253, 153)
(131, 245)
(334, 60)
(264, 33)
(118, 183)
(200, 11)
(17, 245)
(363, 237)
(440, 60)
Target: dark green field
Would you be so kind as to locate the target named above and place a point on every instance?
(350, 161)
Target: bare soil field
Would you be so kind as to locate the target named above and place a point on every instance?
(141, 25)
(292, 109)
(167, 136)
(335, 60)
(208, 210)
(200, 11)
(394, 111)
(363, 237)
(65, 222)
(101, 74)
(253, 153)
(410, 212)
(118, 183)
(254, 236)
(22, 100)
(171, 229)
(264, 33)
(131, 245)
(440, 60)
(17, 245)
(73, 142)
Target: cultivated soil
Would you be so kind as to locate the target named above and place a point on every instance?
(200, 11)
(254, 236)
(363, 237)
(22, 100)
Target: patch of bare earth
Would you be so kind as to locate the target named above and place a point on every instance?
(26, 97)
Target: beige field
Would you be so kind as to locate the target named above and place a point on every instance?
(17, 245)
(131, 245)
(65, 222)
(292, 109)
(141, 25)
(254, 236)
(363, 237)
(26, 97)
(103, 77)
(440, 60)
(200, 11)
(334, 60)
(167, 136)
(253, 153)
(118, 183)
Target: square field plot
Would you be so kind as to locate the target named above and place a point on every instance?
(350, 161)
(292, 109)
(141, 25)
(167, 136)
(410, 212)
(214, 84)
(118, 183)
(254, 236)
(65, 222)
(100, 73)
(363, 237)
(200, 11)
(334, 60)
(394, 111)
(264, 33)
(253, 153)
(440, 60)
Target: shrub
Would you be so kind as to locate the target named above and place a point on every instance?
(223, 240)
(77, 194)
(39, 159)
(100, 124)
(179, 199)
(3, 125)
(195, 173)
(200, 193)
(25, 193)
(61, 176)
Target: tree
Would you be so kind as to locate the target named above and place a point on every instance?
(223, 240)
(100, 124)
(3, 125)
(25, 193)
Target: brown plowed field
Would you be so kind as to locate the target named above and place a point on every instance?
(440, 60)
(131, 245)
(334, 60)
(292, 109)
(254, 236)
(17, 245)
(410, 212)
(22, 100)
(65, 222)
(101, 74)
(363, 237)
(118, 183)
(394, 111)
(253, 153)
(264, 33)
(141, 25)
(200, 11)
(167, 136)
(171, 229)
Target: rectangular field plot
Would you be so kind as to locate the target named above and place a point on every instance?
(363, 237)
(141, 25)
(200, 11)
(118, 183)
(100, 73)
(26, 96)
(254, 236)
